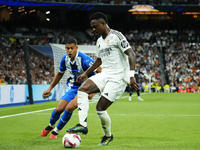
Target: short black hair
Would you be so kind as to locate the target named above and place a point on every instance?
(99, 15)
(71, 41)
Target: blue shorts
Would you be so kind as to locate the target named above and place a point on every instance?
(69, 94)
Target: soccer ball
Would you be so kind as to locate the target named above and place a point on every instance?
(71, 140)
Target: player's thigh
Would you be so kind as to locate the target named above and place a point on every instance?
(94, 84)
(69, 94)
(66, 98)
(72, 105)
(114, 89)
(99, 81)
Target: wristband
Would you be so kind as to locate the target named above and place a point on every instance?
(131, 73)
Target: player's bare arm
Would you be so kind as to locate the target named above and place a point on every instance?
(95, 65)
(131, 57)
(55, 81)
(99, 70)
(132, 60)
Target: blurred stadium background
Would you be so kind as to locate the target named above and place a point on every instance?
(166, 42)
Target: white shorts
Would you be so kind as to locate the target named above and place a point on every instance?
(110, 88)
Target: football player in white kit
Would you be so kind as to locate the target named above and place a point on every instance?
(117, 59)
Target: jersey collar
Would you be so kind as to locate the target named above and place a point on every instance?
(72, 62)
(107, 35)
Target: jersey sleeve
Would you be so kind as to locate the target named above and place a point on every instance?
(122, 42)
(62, 65)
(87, 62)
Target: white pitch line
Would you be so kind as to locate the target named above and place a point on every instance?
(93, 101)
(26, 113)
(153, 115)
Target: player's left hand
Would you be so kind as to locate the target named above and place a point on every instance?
(133, 84)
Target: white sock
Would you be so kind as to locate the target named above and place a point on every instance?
(56, 130)
(105, 122)
(83, 107)
(51, 125)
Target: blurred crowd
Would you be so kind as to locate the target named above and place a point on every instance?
(182, 55)
(183, 65)
(181, 49)
(13, 67)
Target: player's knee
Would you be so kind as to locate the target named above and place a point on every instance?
(100, 108)
(59, 110)
(84, 89)
(71, 108)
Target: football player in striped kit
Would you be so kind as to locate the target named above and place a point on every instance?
(76, 63)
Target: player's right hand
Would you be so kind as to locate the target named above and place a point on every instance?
(46, 93)
(81, 78)
(134, 84)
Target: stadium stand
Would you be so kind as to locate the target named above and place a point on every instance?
(13, 65)
(175, 53)
(167, 51)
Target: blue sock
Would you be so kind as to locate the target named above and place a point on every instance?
(54, 117)
(64, 119)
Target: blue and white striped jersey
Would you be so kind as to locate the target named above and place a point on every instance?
(80, 64)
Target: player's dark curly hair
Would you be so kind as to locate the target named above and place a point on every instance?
(99, 15)
(71, 41)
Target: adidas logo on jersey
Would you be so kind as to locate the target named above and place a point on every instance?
(106, 94)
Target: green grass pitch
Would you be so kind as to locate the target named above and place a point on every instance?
(163, 121)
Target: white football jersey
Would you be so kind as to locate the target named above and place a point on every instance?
(111, 51)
